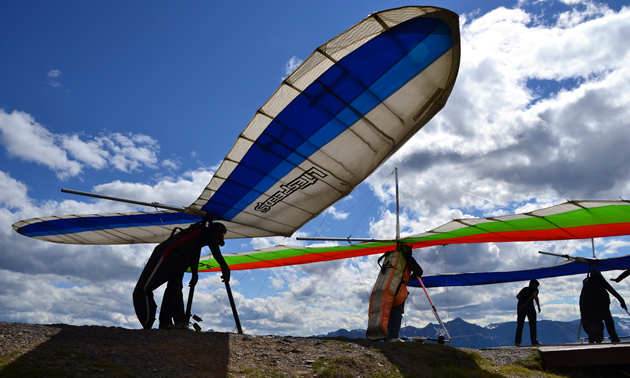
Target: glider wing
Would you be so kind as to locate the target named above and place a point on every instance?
(353, 103)
(569, 220)
(566, 268)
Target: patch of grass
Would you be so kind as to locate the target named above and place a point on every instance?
(529, 367)
(519, 371)
(384, 373)
(335, 367)
(437, 361)
(256, 373)
(532, 362)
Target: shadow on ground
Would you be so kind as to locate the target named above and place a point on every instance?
(118, 352)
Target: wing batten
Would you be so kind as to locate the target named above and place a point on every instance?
(330, 124)
(599, 219)
(358, 107)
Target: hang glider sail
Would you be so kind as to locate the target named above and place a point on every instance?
(569, 220)
(567, 268)
(353, 103)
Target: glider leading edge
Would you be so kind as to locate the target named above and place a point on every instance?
(566, 221)
(353, 103)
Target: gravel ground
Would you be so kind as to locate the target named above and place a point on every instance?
(112, 352)
(506, 356)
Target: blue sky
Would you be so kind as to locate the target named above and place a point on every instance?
(144, 101)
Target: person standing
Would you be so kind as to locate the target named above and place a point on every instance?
(167, 264)
(387, 301)
(525, 308)
(412, 272)
(595, 307)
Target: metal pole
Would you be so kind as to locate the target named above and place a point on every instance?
(434, 310)
(189, 304)
(236, 319)
(397, 207)
(593, 245)
(149, 204)
(347, 239)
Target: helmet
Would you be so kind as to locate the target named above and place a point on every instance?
(220, 230)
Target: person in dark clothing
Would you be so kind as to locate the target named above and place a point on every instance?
(525, 308)
(412, 271)
(168, 263)
(595, 307)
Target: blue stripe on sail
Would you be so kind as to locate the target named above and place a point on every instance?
(74, 225)
(487, 278)
(309, 122)
(316, 116)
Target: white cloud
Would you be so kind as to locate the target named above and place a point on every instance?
(179, 191)
(53, 78)
(291, 65)
(26, 139)
(68, 155)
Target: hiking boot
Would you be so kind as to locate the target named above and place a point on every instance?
(175, 326)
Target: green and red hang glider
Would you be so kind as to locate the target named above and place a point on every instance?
(570, 220)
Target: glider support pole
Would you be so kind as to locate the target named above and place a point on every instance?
(397, 206)
(236, 319)
(191, 292)
(349, 240)
(149, 204)
(434, 310)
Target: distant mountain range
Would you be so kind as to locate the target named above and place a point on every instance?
(467, 335)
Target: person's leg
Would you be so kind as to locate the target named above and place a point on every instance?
(173, 302)
(150, 279)
(520, 323)
(595, 331)
(145, 306)
(610, 326)
(395, 319)
(531, 318)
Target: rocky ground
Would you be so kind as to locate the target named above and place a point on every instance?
(85, 351)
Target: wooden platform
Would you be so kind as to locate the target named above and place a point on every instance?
(572, 355)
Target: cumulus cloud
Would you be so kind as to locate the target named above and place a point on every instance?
(67, 155)
(40, 280)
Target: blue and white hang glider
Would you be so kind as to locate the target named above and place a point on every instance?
(353, 103)
(571, 267)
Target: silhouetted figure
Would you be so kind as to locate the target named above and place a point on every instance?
(525, 308)
(168, 263)
(398, 306)
(595, 307)
(387, 301)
